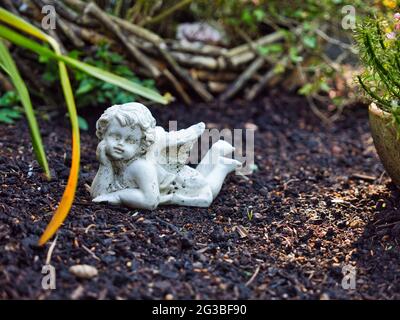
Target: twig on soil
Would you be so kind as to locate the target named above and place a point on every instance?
(77, 5)
(171, 226)
(197, 48)
(219, 76)
(285, 185)
(69, 32)
(244, 48)
(90, 252)
(387, 224)
(51, 249)
(77, 293)
(337, 42)
(365, 177)
(90, 36)
(243, 78)
(253, 276)
(95, 11)
(381, 177)
(89, 227)
(243, 233)
(138, 31)
(196, 85)
(185, 97)
(161, 47)
(197, 61)
(256, 89)
(63, 24)
(167, 12)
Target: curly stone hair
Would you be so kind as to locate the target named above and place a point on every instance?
(129, 114)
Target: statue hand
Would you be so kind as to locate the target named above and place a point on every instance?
(110, 198)
(101, 154)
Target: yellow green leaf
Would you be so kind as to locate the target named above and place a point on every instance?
(8, 65)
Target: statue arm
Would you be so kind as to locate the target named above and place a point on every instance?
(146, 196)
(105, 175)
(103, 179)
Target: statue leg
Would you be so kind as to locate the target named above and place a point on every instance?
(197, 198)
(221, 169)
(219, 149)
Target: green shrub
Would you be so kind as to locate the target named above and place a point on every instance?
(10, 109)
(379, 44)
(90, 91)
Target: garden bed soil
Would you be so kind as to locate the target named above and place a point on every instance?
(318, 201)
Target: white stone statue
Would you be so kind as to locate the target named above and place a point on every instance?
(143, 166)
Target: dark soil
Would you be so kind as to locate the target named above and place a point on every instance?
(319, 202)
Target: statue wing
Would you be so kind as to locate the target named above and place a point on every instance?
(185, 136)
(171, 150)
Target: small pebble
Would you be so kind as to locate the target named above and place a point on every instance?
(197, 265)
(83, 271)
(324, 296)
(357, 223)
(169, 297)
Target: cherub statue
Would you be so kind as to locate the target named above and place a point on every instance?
(143, 166)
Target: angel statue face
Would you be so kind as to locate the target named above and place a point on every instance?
(122, 142)
(126, 131)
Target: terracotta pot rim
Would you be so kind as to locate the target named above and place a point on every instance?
(373, 108)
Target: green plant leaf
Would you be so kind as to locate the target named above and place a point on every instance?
(294, 55)
(324, 86)
(8, 64)
(307, 89)
(247, 17)
(259, 14)
(83, 125)
(85, 86)
(9, 99)
(69, 192)
(138, 89)
(310, 41)
(8, 115)
(270, 49)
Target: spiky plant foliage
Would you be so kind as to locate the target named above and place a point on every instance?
(379, 46)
